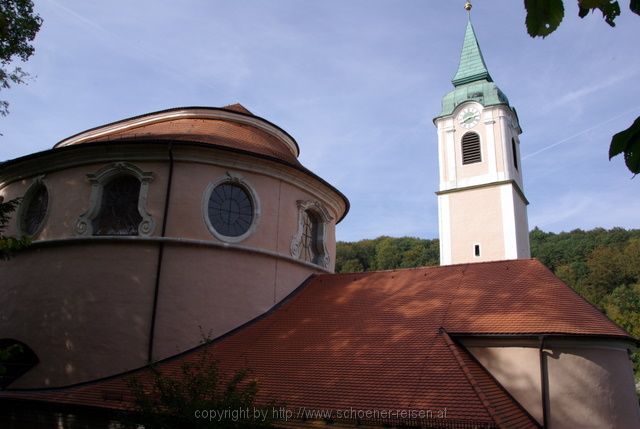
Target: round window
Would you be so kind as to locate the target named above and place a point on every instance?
(34, 209)
(230, 210)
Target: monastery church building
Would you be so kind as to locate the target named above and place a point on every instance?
(151, 230)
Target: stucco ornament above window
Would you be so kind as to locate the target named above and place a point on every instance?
(118, 201)
(309, 242)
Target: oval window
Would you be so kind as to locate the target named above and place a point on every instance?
(34, 210)
(230, 210)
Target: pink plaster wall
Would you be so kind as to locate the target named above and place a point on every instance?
(590, 382)
(476, 218)
(69, 191)
(84, 310)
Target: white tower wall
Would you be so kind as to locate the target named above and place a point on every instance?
(482, 208)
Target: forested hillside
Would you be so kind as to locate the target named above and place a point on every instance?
(601, 265)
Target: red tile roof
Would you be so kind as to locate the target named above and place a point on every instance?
(213, 131)
(199, 124)
(380, 340)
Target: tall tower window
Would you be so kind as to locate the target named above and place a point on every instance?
(119, 208)
(515, 154)
(471, 148)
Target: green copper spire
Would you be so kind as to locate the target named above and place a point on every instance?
(472, 81)
(472, 67)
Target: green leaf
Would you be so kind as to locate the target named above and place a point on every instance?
(543, 16)
(610, 9)
(628, 142)
(632, 156)
(634, 5)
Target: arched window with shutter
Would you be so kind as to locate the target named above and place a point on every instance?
(471, 152)
(119, 213)
(311, 249)
(118, 201)
(309, 243)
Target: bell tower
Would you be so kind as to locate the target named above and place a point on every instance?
(482, 208)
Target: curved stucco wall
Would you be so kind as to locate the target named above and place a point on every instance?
(85, 304)
(58, 301)
(589, 382)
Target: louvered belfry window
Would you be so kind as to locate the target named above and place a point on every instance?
(471, 148)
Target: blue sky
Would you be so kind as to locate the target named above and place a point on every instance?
(357, 83)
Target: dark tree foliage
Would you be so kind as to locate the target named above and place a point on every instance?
(603, 266)
(627, 142)
(6, 354)
(544, 17)
(386, 253)
(9, 245)
(18, 27)
(555, 250)
(170, 401)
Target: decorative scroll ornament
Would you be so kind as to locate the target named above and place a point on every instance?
(297, 243)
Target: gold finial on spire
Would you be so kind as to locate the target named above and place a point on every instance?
(468, 6)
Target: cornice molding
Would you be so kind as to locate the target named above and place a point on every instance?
(487, 185)
(175, 241)
(54, 160)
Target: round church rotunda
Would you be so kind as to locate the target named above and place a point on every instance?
(155, 232)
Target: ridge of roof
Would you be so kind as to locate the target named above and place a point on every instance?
(430, 267)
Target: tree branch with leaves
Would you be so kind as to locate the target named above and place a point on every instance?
(19, 25)
(9, 245)
(545, 16)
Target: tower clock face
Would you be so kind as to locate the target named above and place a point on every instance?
(469, 117)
